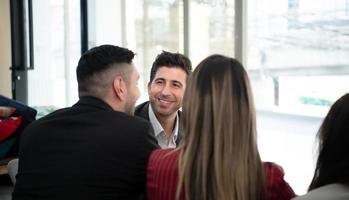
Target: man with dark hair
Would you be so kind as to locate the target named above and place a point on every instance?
(166, 89)
(94, 149)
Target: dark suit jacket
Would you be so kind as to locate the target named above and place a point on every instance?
(142, 111)
(87, 151)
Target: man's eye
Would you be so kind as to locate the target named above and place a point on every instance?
(176, 85)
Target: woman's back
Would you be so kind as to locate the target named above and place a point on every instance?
(162, 177)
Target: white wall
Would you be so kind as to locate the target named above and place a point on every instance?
(5, 48)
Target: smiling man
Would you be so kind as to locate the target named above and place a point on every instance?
(166, 88)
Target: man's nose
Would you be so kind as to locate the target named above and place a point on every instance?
(166, 90)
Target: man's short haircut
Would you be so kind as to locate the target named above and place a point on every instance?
(169, 59)
(97, 60)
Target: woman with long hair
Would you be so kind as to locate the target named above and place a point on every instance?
(218, 158)
(331, 177)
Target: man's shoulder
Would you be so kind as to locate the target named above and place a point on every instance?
(103, 117)
(117, 119)
(136, 120)
(55, 114)
(142, 110)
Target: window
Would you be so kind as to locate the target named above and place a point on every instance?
(294, 49)
(211, 28)
(153, 26)
(145, 27)
(56, 27)
(297, 61)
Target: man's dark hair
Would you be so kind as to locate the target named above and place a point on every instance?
(99, 59)
(169, 59)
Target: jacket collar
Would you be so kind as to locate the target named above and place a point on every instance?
(142, 110)
(94, 102)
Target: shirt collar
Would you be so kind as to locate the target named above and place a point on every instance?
(157, 126)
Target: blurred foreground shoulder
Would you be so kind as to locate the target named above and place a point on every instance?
(327, 192)
(277, 187)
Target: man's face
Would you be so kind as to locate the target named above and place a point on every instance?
(166, 90)
(133, 91)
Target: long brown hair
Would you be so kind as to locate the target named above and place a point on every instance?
(219, 158)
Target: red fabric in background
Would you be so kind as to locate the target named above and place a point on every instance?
(277, 187)
(8, 126)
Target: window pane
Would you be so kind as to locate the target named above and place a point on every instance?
(56, 29)
(153, 26)
(144, 26)
(297, 58)
(211, 28)
(105, 22)
(300, 38)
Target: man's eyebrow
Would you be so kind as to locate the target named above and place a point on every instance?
(159, 78)
(172, 81)
(175, 81)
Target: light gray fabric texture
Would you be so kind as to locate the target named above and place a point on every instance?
(327, 192)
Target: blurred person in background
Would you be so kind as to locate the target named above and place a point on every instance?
(331, 176)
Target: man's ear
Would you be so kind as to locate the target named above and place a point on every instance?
(149, 85)
(119, 87)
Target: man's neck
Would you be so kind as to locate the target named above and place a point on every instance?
(168, 123)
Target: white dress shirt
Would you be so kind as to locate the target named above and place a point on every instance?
(160, 133)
